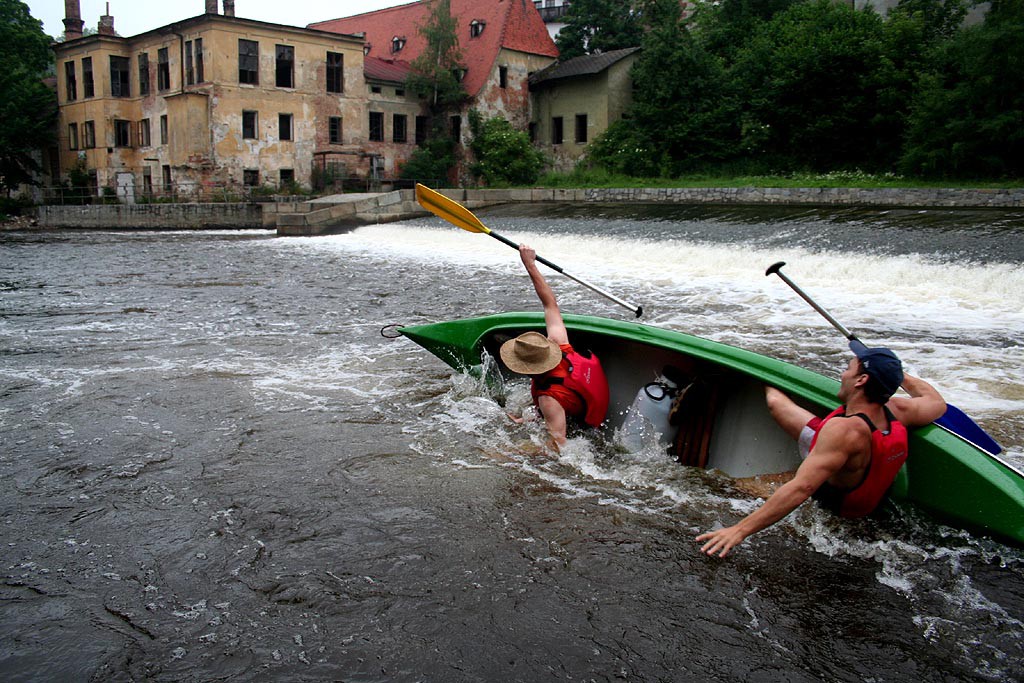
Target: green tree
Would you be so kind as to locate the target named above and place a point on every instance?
(684, 110)
(437, 72)
(593, 26)
(503, 154)
(967, 118)
(818, 85)
(28, 108)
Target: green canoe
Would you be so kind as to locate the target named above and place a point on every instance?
(952, 479)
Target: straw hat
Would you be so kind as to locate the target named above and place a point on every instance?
(531, 353)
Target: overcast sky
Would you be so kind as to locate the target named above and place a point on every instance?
(132, 17)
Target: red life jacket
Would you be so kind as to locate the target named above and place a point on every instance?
(888, 453)
(585, 378)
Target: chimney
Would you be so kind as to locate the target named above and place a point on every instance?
(211, 6)
(72, 20)
(106, 25)
(229, 8)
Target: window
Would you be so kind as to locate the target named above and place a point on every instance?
(88, 89)
(503, 76)
(285, 66)
(144, 133)
(476, 28)
(249, 62)
(421, 129)
(72, 136)
(556, 130)
(287, 176)
(251, 177)
(399, 125)
(89, 134)
(456, 127)
(119, 83)
(335, 72)
(122, 133)
(334, 130)
(167, 178)
(376, 89)
(147, 181)
(163, 129)
(249, 124)
(376, 126)
(163, 69)
(581, 128)
(397, 43)
(70, 82)
(399, 92)
(200, 76)
(284, 126)
(190, 72)
(144, 74)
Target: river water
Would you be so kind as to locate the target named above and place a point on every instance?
(215, 468)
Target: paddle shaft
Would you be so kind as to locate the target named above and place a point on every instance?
(955, 421)
(638, 310)
(776, 268)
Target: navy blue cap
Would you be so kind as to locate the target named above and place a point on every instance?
(881, 364)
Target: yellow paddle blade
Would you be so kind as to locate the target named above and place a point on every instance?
(449, 209)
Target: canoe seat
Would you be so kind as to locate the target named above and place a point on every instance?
(693, 414)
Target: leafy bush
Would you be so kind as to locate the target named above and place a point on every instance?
(503, 155)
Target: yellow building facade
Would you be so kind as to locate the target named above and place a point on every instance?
(209, 103)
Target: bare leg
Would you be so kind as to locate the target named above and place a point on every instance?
(791, 417)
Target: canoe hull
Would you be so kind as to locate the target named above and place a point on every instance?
(950, 478)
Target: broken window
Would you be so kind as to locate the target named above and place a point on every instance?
(334, 130)
(163, 69)
(581, 128)
(70, 81)
(249, 62)
(119, 82)
(144, 73)
(122, 133)
(399, 126)
(335, 72)
(249, 121)
(284, 126)
(376, 126)
(88, 90)
(556, 130)
(285, 66)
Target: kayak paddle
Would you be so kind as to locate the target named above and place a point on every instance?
(954, 420)
(460, 216)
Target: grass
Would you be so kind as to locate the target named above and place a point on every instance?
(598, 179)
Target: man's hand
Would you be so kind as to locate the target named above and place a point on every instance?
(721, 541)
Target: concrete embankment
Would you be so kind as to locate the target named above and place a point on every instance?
(340, 212)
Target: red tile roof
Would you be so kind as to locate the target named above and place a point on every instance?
(510, 24)
(394, 70)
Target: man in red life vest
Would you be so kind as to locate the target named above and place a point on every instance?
(851, 456)
(566, 384)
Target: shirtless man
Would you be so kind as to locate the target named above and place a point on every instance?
(566, 384)
(850, 457)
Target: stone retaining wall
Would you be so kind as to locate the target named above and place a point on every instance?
(152, 216)
(310, 218)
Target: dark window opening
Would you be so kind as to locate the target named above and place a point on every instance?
(556, 130)
(88, 89)
(163, 69)
(456, 129)
(399, 125)
(70, 81)
(249, 122)
(144, 74)
(249, 62)
(287, 176)
(503, 76)
(89, 134)
(122, 133)
(285, 66)
(476, 28)
(72, 136)
(376, 126)
(251, 177)
(581, 128)
(397, 43)
(200, 76)
(119, 82)
(335, 72)
(190, 72)
(284, 126)
(163, 129)
(334, 130)
(421, 129)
